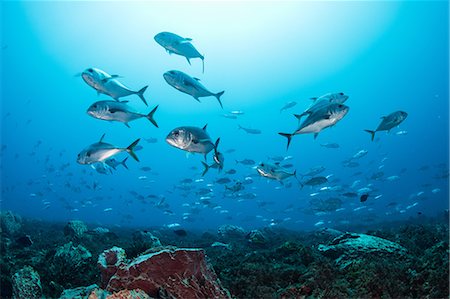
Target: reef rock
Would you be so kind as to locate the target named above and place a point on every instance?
(69, 261)
(10, 222)
(351, 248)
(169, 273)
(26, 284)
(128, 294)
(146, 239)
(92, 291)
(257, 237)
(229, 231)
(75, 229)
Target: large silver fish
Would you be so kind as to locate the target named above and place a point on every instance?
(109, 85)
(323, 101)
(319, 120)
(118, 111)
(179, 45)
(189, 85)
(191, 139)
(274, 171)
(388, 122)
(101, 151)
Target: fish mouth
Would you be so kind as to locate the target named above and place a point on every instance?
(171, 142)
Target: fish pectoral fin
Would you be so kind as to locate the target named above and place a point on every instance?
(315, 135)
(196, 78)
(126, 124)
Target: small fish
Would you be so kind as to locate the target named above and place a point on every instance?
(229, 116)
(107, 210)
(402, 133)
(288, 105)
(388, 122)
(146, 168)
(223, 181)
(190, 85)
(246, 162)
(231, 171)
(111, 162)
(101, 151)
(151, 140)
(360, 154)
(237, 112)
(350, 194)
(250, 131)
(315, 181)
(330, 145)
(274, 172)
(180, 232)
(175, 44)
(363, 197)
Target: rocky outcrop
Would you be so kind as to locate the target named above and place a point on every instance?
(350, 248)
(10, 223)
(75, 229)
(169, 273)
(228, 231)
(26, 284)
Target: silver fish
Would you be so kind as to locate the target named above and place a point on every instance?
(101, 151)
(250, 131)
(190, 85)
(191, 139)
(175, 44)
(274, 171)
(118, 111)
(288, 105)
(388, 122)
(319, 120)
(109, 85)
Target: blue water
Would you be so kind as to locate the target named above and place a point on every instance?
(386, 56)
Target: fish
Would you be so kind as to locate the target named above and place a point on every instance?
(111, 162)
(101, 151)
(350, 194)
(146, 168)
(107, 84)
(236, 187)
(330, 145)
(24, 241)
(315, 181)
(118, 111)
(274, 171)
(250, 131)
(101, 167)
(323, 101)
(218, 158)
(180, 232)
(247, 162)
(237, 112)
(364, 197)
(229, 116)
(151, 140)
(223, 181)
(360, 154)
(314, 171)
(190, 85)
(388, 122)
(402, 133)
(191, 139)
(288, 105)
(319, 120)
(231, 171)
(175, 44)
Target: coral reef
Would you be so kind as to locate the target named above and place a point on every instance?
(26, 284)
(10, 223)
(75, 229)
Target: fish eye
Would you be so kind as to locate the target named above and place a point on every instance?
(172, 72)
(90, 70)
(176, 133)
(262, 164)
(340, 106)
(341, 93)
(94, 106)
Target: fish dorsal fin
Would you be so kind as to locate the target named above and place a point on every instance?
(204, 127)
(114, 76)
(298, 116)
(101, 138)
(196, 78)
(124, 102)
(313, 99)
(188, 39)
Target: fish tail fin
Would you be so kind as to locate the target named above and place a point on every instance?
(206, 166)
(371, 133)
(289, 137)
(240, 127)
(151, 118)
(216, 145)
(130, 148)
(218, 95)
(124, 162)
(295, 175)
(140, 93)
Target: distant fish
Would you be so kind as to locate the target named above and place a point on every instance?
(229, 116)
(107, 210)
(114, 163)
(288, 105)
(364, 197)
(330, 145)
(402, 133)
(118, 111)
(237, 112)
(151, 140)
(179, 45)
(109, 85)
(146, 168)
(274, 171)
(190, 85)
(100, 151)
(250, 131)
(247, 162)
(180, 232)
(102, 168)
(360, 154)
(388, 122)
(319, 120)
(230, 171)
(24, 241)
(315, 181)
